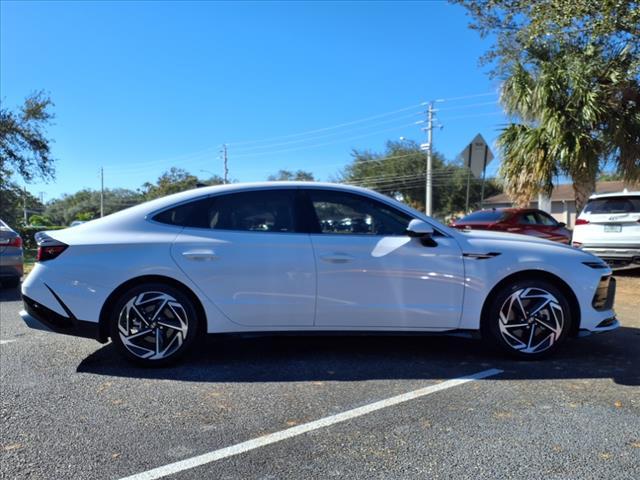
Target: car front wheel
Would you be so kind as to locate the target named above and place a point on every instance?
(153, 324)
(528, 319)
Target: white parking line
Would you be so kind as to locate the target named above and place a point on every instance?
(270, 438)
(2, 342)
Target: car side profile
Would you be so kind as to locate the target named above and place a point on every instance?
(525, 221)
(306, 257)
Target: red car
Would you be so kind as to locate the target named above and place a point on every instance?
(526, 221)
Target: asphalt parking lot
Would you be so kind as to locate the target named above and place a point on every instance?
(71, 408)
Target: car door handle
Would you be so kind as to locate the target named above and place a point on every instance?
(200, 255)
(337, 258)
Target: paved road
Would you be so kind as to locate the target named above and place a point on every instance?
(70, 408)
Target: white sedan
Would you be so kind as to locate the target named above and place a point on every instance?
(306, 257)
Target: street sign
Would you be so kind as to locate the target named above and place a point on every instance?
(476, 156)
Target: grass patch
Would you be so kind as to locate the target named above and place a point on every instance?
(29, 260)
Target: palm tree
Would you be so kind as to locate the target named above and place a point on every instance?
(577, 111)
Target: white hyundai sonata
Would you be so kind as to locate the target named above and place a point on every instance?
(306, 257)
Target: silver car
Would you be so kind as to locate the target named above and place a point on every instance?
(10, 256)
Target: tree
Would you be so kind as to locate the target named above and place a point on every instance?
(399, 172)
(176, 180)
(85, 204)
(286, 175)
(13, 200)
(571, 75)
(40, 221)
(522, 26)
(578, 111)
(24, 150)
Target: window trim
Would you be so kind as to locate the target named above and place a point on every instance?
(301, 205)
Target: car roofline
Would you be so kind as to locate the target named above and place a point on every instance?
(615, 194)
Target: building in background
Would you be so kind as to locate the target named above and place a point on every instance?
(561, 205)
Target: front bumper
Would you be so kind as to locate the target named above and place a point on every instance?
(39, 317)
(606, 325)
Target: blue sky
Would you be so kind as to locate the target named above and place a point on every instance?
(140, 87)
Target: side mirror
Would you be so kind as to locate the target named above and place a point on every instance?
(562, 224)
(418, 228)
(423, 231)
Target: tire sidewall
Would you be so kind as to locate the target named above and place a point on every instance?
(491, 328)
(193, 323)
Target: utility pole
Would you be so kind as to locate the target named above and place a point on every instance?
(429, 178)
(24, 205)
(101, 192)
(224, 159)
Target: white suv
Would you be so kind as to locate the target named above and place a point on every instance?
(609, 227)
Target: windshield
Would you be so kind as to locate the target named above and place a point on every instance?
(485, 216)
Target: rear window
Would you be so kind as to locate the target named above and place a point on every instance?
(485, 216)
(629, 204)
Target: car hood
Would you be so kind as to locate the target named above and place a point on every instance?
(478, 241)
(505, 236)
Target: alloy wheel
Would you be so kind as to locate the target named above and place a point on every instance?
(153, 325)
(531, 320)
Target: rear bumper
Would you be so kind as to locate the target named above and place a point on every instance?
(39, 317)
(616, 256)
(11, 271)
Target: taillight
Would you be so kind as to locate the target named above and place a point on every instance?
(576, 244)
(14, 242)
(582, 221)
(49, 252)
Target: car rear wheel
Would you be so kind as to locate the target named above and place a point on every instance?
(528, 319)
(154, 324)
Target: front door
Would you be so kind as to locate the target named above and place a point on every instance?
(371, 274)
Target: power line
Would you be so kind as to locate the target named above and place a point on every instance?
(327, 135)
(202, 154)
(317, 130)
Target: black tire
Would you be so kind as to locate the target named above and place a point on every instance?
(523, 335)
(167, 313)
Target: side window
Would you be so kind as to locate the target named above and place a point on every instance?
(528, 218)
(346, 213)
(547, 220)
(190, 214)
(255, 211)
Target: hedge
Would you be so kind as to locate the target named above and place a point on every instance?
(28, 234)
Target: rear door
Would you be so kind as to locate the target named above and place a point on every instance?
(613, 221)
(244, 252)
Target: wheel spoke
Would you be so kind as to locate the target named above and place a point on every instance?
(164, 325)
(531, 320)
